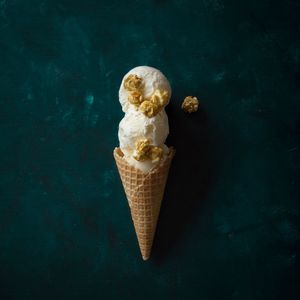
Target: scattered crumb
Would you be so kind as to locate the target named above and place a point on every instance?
(190, 104)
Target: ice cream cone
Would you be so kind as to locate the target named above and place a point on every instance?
(144, 193)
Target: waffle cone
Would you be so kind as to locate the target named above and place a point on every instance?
(144, 192)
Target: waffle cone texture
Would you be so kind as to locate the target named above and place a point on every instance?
(144, 192)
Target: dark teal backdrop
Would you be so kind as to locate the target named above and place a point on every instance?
(229, 225)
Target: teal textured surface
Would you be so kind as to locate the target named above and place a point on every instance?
(229, 226)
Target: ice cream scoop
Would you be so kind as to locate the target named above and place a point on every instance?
(136, 126)
(152, 80)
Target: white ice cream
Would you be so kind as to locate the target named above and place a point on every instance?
(135, 125)
(153, 79)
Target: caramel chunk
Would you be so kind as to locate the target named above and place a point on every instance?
(160, 98)
(133, 83)
(190, 104)
(149, 108)
(155, 153)
(155, 103)
(142, 148)
(144, 151)
(135, 98)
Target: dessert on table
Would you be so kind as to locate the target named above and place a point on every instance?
(142, 158)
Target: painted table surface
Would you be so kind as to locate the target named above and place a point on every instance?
(229, 223)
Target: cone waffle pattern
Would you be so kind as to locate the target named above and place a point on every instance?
(144, 193)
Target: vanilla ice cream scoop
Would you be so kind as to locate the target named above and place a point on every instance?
(143, 95)
(135, 126)
(153, 80)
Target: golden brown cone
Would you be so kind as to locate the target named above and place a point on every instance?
(144, 192)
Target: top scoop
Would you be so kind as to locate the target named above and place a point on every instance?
(152, 79)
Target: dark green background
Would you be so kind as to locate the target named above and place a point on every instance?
(229, 225)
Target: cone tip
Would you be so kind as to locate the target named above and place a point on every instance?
(145, 257)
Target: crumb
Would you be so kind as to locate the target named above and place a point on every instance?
(190, 104)
(142, 147)
(133, 83)
(144, 151)
(156, 153)
(135, 98)
(149, 108)
(160, 97)
(152, 106)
